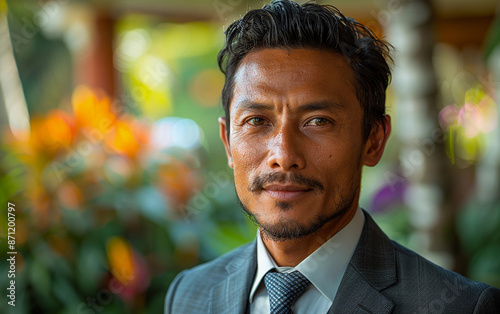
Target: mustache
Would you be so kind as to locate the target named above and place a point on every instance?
(258, 182)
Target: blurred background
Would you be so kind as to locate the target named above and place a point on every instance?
(111, 158)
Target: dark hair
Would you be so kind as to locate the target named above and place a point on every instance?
(286, 24)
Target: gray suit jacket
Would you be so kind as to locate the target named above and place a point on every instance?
(382, 277)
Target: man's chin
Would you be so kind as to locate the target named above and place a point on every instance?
(288, 229)
(284, 229)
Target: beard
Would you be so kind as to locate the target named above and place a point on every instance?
(289, 229)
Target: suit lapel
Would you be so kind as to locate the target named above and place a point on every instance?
(356, 295)
(372, 269)
(231, 295)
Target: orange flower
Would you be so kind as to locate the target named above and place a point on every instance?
(58, 129)
(92, 112)
(177, 181)
(49, 133)
(127, 138)
(69, 195)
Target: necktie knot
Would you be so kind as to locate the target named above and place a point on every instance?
(284, 289)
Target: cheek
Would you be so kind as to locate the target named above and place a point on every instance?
(242, 166)
(247, 159)
(337, 162)
(333, 151)
(247, 154)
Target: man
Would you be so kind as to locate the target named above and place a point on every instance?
(304, 101)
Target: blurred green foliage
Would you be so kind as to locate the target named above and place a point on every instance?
(104, 217)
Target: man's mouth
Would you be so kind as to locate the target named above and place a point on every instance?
(285, 192)
(284, 183)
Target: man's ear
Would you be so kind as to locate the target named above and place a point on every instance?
(375, 144)
(225, 140)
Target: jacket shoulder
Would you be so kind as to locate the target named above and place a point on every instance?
(440, 290)
(190, 290)
(414, 284)
(217, 268)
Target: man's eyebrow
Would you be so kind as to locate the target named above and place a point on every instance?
(320, 105)
(328, 105)
(247, 104)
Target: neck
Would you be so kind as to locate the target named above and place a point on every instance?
(291, 252)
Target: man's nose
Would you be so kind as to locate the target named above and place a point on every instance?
(286, 150)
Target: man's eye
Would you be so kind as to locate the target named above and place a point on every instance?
(318, 121)
(256, 121)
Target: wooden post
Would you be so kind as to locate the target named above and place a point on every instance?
(94, 67)
(422, 158)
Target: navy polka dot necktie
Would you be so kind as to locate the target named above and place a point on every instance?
(284, 289)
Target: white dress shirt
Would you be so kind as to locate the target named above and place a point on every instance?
(324, 268)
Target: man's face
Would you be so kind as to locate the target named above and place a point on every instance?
(295, 140)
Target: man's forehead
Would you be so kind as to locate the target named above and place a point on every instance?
(279, 60)
(307, 75)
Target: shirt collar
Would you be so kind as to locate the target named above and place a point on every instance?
(330, 258)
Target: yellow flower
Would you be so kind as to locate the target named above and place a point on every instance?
(121, 260)
(92, 112)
